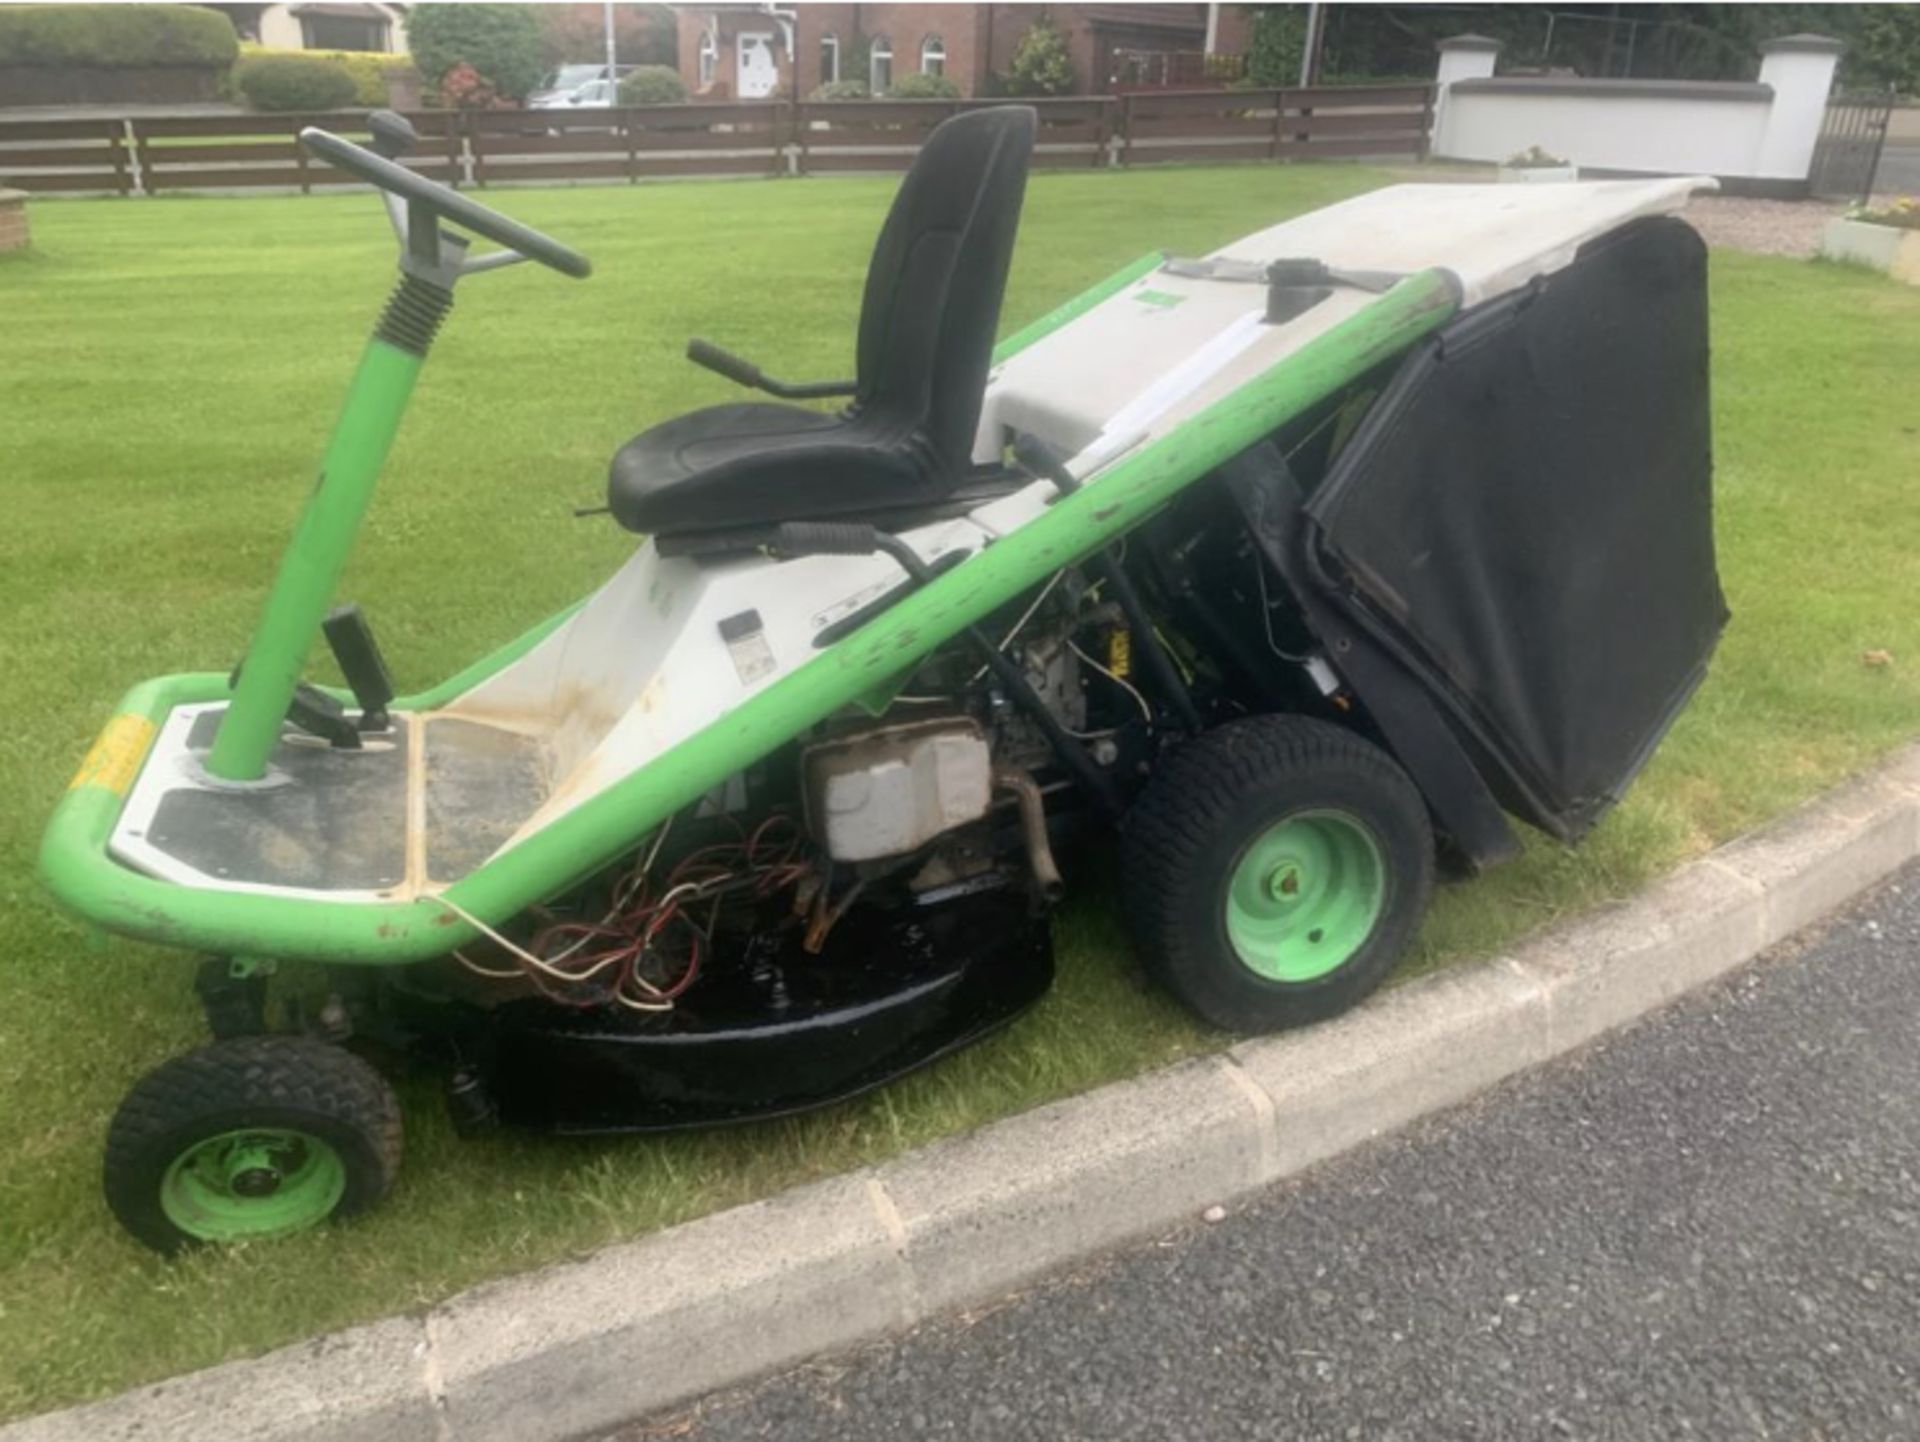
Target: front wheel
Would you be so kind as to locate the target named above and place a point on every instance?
(248, 1139)
(1275, 870)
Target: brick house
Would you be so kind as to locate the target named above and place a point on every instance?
(753, 51)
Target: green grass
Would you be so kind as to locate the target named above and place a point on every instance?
(168, 370)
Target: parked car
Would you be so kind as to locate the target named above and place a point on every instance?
(564, 86)
(595, 94)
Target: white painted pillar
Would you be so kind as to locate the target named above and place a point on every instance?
(1462, 57)
(1800, 69)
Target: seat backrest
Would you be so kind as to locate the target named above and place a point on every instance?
(932, 303)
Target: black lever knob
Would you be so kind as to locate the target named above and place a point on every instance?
(393, 135)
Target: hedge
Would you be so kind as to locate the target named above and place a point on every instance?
(652, 85)
(293, 82)
(923, 86)
(367, 67)
(116, 35)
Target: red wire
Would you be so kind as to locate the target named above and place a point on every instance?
(640, 921)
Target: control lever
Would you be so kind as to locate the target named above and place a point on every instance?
(351, 640)
(393, 135)
(743, 372)
(318, 714)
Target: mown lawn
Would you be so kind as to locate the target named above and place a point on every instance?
(167, 372)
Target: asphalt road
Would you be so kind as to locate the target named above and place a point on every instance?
(1899, 172)
(1707, 1226)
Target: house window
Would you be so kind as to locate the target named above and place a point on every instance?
(933, 56)
(343, 32)
(709, 58)
(880, 65)
(829, 59)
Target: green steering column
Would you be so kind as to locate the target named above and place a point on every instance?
(296, 606)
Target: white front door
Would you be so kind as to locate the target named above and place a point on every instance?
(759, 75)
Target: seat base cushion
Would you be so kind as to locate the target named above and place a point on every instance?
(757, 464)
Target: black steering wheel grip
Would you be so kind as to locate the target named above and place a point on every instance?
(448, 203)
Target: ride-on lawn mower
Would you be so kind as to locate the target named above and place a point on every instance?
(1301, 566)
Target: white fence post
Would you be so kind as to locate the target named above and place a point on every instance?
(1800, 69)
(135, 174)
(1462, 57)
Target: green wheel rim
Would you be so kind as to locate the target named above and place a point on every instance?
(1305, 895)
(261, 1182)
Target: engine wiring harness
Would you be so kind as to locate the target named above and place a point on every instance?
(648, 948)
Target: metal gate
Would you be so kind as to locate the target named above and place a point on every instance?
(1847, 154)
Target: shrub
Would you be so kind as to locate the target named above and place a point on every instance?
(841, 90)
(293, 82)
(1533, 158)
(924, 87)
(652, 85)
(464, 88)
(368, 68)
(1040, 64)
(115, 35)
(501, 42)
(1903, 214)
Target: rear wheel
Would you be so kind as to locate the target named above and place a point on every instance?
(249, 1139)
(1275, 870)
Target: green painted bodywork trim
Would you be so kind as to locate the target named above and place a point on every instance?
(75, 864)
(1077, 307)
(369, 419)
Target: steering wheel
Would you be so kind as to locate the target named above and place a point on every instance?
(394, 136)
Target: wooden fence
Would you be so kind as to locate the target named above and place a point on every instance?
(150, 156)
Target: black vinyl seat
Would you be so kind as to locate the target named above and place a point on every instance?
(927, 323)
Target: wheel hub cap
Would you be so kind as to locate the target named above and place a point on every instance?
(249, 1184)
(1305, 895)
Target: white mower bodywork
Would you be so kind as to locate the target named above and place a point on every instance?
(644, 665)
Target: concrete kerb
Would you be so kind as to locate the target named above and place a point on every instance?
(584, 1345)
(367, 1384)
(646, 1325)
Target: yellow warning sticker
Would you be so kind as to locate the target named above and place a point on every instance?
(116, 756)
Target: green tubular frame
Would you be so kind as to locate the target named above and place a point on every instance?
(76, 866)
(369, 420)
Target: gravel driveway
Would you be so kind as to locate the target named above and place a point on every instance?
(1766, 227)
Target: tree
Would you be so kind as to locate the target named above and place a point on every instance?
(1276, 45)
(1040, 65)
(1886, 48)
(642, 34)
(501, 42)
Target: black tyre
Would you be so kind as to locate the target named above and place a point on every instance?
(1275, 869)
(251, 1138)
